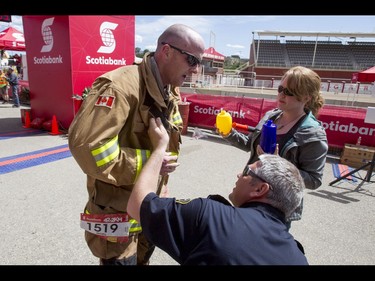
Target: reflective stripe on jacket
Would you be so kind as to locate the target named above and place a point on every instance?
(110, 143)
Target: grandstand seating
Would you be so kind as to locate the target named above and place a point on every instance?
(317, 54)
(271, 53)
(364, 53)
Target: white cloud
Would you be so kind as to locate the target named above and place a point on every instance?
(138, 39)
(235, 46)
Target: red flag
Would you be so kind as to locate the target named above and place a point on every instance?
(105, 101)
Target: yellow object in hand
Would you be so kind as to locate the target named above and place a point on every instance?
(224, 122)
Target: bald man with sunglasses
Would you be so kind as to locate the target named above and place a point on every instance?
(108, 139)
(211, 231)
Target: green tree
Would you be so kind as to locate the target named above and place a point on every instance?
(139, 53)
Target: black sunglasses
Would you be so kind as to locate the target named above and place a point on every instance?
(191, 59)
(285, 91)
(249, 172)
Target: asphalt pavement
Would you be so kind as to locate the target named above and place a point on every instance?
(41, 204)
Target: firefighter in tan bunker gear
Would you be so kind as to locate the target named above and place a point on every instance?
(108, 138)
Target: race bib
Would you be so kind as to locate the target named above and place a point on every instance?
(113, 227)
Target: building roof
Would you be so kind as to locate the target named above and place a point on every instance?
(313, 34)
(319, 36)
(211, 53)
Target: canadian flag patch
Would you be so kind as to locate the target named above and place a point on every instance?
(106, 101)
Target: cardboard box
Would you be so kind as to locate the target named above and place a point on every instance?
(358, 151)
(356, 156)
(354, 163)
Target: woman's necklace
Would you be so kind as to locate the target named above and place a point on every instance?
(279, 127)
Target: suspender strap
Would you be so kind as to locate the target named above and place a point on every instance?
(156, 112)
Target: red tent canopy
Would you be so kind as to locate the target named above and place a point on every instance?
(367, 75)
(12, 39)
(210, 53)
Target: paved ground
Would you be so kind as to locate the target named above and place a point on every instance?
(40, 206)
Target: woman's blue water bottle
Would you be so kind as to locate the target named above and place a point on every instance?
(268, 137)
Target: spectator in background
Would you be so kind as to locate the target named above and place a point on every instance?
(4, 85)
(4, 58)
(13, 82)
(17, 61)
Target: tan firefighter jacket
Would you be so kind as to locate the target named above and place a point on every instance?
(108, 137)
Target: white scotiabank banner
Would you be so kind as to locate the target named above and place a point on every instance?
(66, 53)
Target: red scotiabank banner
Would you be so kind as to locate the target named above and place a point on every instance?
(66, 53)
(343, 124)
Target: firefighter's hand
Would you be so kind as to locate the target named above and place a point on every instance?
(261, 151)
(169, 164)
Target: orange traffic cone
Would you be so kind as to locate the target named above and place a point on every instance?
(54, 127)
(27, 120)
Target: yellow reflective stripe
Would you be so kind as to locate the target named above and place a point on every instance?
(3, 81)
(177, 119)
(134, 226)
(142, 156)
(107, 152)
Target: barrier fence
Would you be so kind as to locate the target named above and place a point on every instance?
(343, 124)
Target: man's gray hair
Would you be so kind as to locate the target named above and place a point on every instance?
(285, 179)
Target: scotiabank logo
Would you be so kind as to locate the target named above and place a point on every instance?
(109, 45)
(48, 45)
(47, 35)
(108, 39)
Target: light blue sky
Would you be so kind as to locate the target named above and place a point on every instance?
(232, 35)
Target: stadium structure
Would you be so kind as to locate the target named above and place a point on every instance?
(334, 56)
